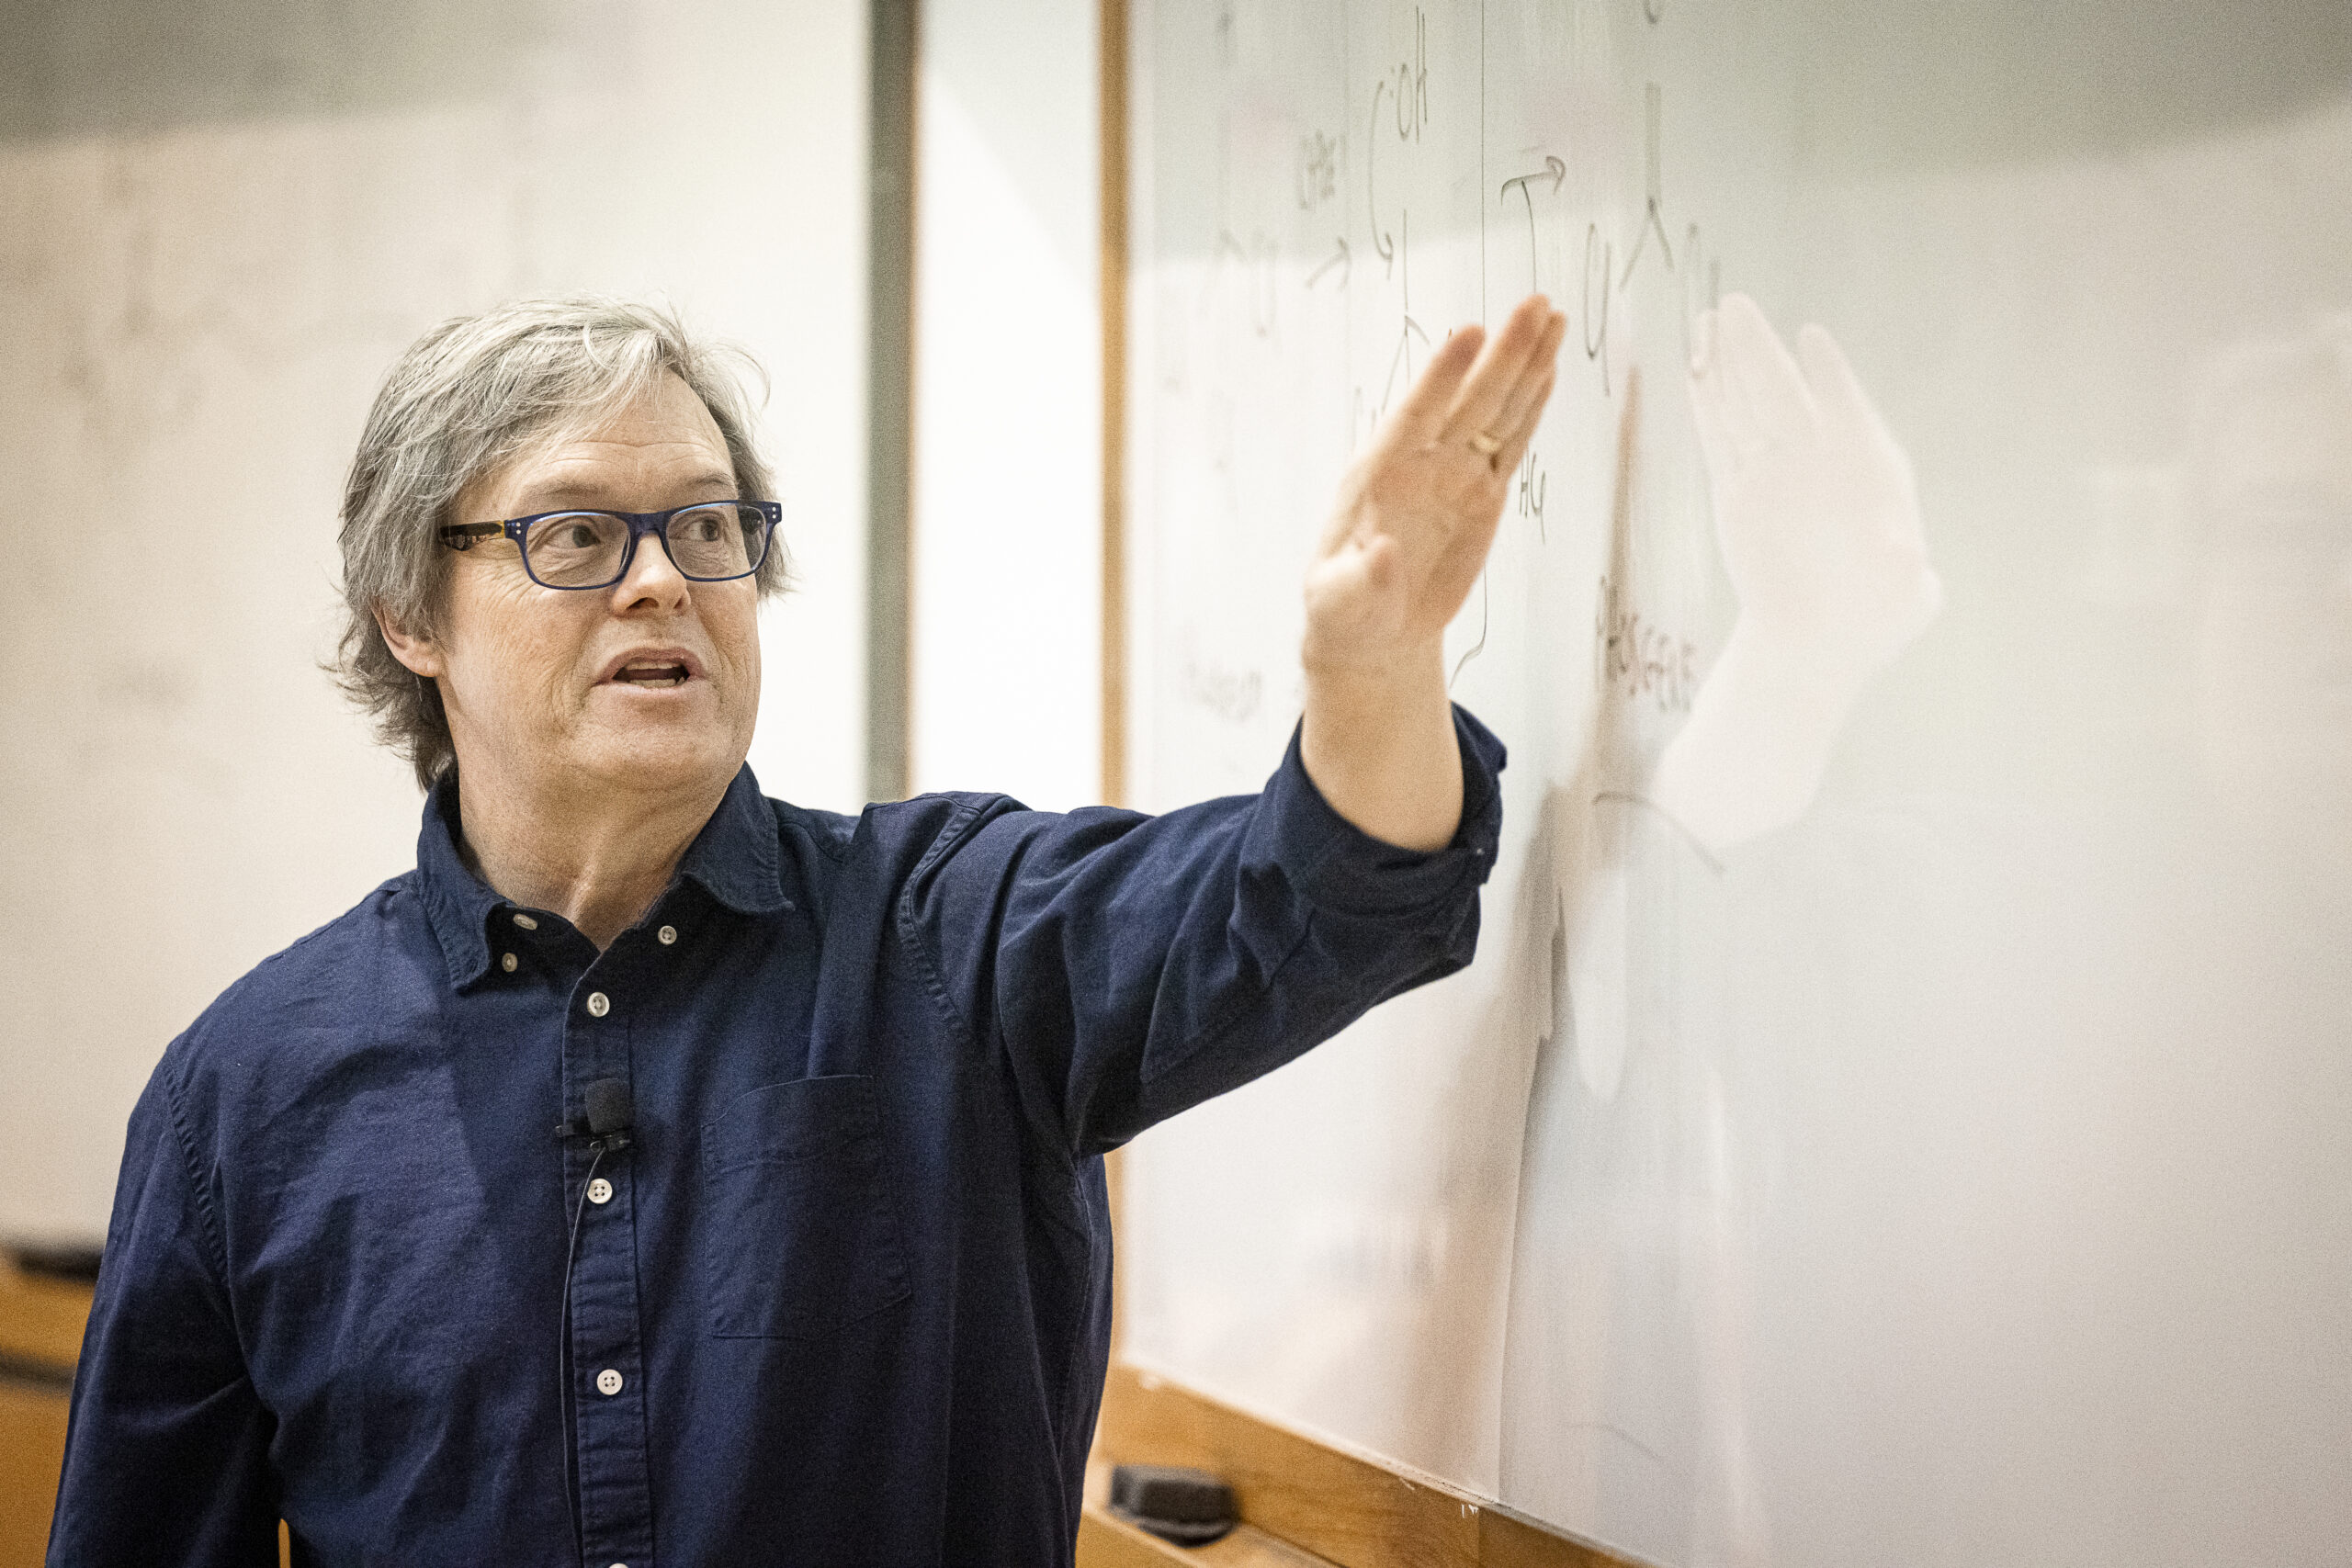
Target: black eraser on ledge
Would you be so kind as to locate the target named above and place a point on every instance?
(78, 1264)
(1190, 1507)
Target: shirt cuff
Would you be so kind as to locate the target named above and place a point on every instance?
(1339, 867)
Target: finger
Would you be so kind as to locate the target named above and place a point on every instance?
(1536, 384)
(1509, 361)
(1424, 408)
(1515, 444)
(1478, 407)
(1763, 378)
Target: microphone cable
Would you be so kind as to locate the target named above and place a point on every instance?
(607, 1125)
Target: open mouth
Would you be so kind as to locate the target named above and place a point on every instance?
(655, 675)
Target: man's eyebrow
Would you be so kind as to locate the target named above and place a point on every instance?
(538, 498)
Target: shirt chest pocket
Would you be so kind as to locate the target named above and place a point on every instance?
(799, 1230)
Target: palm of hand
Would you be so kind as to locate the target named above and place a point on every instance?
(1418, 510)
(1405, 544)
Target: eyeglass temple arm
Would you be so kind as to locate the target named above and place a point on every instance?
(461, 536)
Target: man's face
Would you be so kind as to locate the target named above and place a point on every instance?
(555, 691)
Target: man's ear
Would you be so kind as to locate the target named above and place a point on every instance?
(421, 654)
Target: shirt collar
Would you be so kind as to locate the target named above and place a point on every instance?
(734, 859)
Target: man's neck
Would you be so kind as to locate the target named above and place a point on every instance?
(597, 857)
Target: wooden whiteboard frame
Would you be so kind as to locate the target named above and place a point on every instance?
(1296, 1494)
(893, 83)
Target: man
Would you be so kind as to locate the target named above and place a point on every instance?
(660, 1173)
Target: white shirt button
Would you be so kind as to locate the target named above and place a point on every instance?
(599, 1004)
(666, 935)
(608, 1381)
(526, 922)
(507, 961)
(600, 1191)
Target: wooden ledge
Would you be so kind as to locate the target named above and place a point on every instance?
(1107, 1542)
(40, 1319)
(1320, 1503)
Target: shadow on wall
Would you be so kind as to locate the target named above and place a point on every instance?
(78, 67)
(1898, 85)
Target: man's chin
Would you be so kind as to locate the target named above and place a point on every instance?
(662, 760)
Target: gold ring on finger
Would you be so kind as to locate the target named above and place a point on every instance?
(1484, 444)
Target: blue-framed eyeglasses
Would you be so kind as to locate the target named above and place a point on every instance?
(711, 541)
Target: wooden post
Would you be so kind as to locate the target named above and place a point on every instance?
(891, 79)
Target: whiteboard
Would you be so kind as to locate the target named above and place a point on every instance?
(1951, 1162)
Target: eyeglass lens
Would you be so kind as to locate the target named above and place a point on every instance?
(583, 549)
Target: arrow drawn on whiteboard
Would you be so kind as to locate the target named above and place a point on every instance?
(1339, 258)
(1552, 170)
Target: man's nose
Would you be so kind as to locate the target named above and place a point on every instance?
(652, 580)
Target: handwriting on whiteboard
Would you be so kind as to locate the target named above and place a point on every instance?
(1639, 656)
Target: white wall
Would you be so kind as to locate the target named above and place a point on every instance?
(1008, 404)
(220, 229)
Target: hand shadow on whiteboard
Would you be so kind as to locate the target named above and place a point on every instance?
(1624, 1407)
(1817, 516)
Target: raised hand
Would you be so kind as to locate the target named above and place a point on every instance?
(1418, 510)
(1817, 516)
(1406, 542)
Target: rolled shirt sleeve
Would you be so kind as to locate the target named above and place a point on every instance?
(1127, 967)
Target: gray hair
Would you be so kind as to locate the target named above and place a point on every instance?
(468, 397)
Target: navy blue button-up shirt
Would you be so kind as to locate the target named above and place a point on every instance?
(847, 1298)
